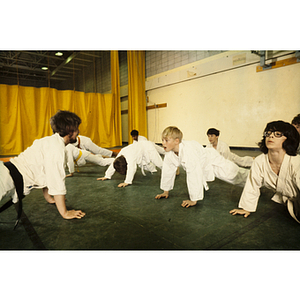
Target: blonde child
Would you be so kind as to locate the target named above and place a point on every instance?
(201, 165)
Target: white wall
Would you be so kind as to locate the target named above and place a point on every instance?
(223, 91)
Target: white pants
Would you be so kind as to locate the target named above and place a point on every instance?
(95, 159)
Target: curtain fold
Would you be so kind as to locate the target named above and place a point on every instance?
(26, 111)
(137, 116)
(115, 89)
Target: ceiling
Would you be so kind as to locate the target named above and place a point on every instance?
(27, 65)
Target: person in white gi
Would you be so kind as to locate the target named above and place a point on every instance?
(85, 143)
(81, 157)
(138, 138)
(201, 165)
(278, 169)
(224, 150)
(42, 165)
(296, 124)
(142, 154)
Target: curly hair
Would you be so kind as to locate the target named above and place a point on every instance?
(120, 165)
(64, 122)
(290, 145)
(296, 120)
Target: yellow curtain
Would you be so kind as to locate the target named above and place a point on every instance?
(137, 117)
(115, 89)
(25, 114)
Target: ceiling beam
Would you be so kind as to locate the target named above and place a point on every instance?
(26, 61)
(66, 61)
(23, 68)
(42, 55)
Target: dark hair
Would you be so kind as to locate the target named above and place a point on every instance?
(290, 145)
(64, 122)
(296, 120)
(213, 131)
(134, 132)
(120, 165)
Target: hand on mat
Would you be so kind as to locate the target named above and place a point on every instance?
(163, 195)
(102, 178)
(240, 212)
(74, 214)
(69, 175)
(123, 184)
(188, 203)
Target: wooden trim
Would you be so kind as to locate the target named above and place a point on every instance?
(156, 106)
(125, 111)
(278, 64)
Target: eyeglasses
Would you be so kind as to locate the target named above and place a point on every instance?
(277, 134)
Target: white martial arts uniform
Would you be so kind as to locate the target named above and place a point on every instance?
(85, 143)
(141, 138)
(159, 149)
(286, 185)
(142, 154)
(82, 156)
(7, 186)
(224, 150)
(41, 165)
(201, 165)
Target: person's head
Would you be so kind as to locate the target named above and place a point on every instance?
(65, 123)
(171, 138)
(120, 165)
(135, 134)
(296, 122)
(213, 135)
(280, 134)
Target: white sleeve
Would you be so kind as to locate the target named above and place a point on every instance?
(110, 171)
(168, 174)
(70, 159)
(251, 192)
(55, 171)
(194, 172)
(194, 180)
(131, 169)
(224, 150)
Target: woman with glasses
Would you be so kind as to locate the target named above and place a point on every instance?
(278, 169)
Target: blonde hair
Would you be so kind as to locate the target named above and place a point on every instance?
(172, 132)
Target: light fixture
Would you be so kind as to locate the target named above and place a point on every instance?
(44, 68)
(59, 53)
